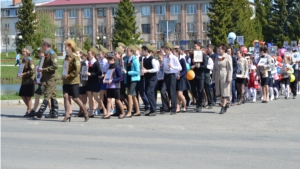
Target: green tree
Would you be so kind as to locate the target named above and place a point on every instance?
(46, 28)
(278, 22)
(26, 25)
(293, 8)
(261, 20)
(125, 25)
(242, 23)
(87, 43)
(220, 15)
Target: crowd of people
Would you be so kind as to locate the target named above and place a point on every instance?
(114, 82)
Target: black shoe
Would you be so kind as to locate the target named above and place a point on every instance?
(152, 114)
(42, 109)
(32, 113)
(147, 112)
(173, 113)
(222, 110)
(108, 117)
(27, 114)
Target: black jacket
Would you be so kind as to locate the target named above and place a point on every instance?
(234, 67)
(202, 72)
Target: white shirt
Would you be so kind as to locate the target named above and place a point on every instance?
(210, 64)
(173, 60)
(155, 65)
(92, 61)
(103, 64)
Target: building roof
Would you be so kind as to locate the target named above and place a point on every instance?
(80, 2)
(9, 4)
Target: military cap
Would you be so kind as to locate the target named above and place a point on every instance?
(169, 45)
(94, 50)
(103, 49)
(78, 49)
(149, 47)
(119, 50)
(71, 43)
(48, 41)
(84, 52)
(132, 47)
(29, 48)
(138, 47)
(121, 44)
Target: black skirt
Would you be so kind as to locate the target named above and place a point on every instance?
(93, 87)
(71, 90)
(113, 93)
(82, 90)
(241, 80)
(183, 84)
(27, 90)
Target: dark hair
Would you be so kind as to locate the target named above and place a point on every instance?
(223, 46)
(198, 43)
(210, 46)
(162, 47)
(263, 49)
(145, 48)
(191, 54)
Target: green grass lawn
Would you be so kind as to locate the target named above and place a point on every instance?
(17, 97)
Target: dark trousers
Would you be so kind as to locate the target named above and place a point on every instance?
(150, 85)
(170, 81)
(208, 91)
(214, 92)
(198, 91)
(161, 86)
(141, 88)
(294, 87)
(18, 62)
(233, 91)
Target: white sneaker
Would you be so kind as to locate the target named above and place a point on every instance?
(262, 98)
(272, 98)
(254, 100)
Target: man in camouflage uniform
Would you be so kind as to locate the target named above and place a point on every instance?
(49, 72)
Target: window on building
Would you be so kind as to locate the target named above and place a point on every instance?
(88, 30)
(145, 10)
(158, 28)
(72, 31)
(190, 27)
(5, 41)
(205, 8)
(72, 13)
(160, 10)
(102, 29)
(113, 11)
(145, 28)
(6, 25)
(9, 12)
(59, 47)
(102, 12)
(175, 9)
(191, 9)
(59, 14)
(59, 31)
(87, 13)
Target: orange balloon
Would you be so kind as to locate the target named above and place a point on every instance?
(190, 75)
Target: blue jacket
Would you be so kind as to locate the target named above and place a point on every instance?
(135, 70)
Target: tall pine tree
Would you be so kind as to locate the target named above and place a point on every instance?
(261, 20)
(26, 25)
(242, 23)
(293, 7)
(125, 25)
(278, 22)
(220, 15)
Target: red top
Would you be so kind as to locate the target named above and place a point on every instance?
(80, 2)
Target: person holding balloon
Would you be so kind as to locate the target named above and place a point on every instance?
(294, 76)
(285, 72)
(222, 76)
(264, 72)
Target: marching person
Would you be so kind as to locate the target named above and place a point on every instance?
(182, 83)
(150, 69)
(199, 80)
(263, 71)
(83, 83)
(50, 77)
(214, 57)
(171, 69)
(295, 66)
(113, 87)
(71, 81)
(161, 86)
(132, 76)
(285, 72)
(27, 84)
(241, 77)
(222, 76)
(40, 90)
(17, 59)
(93, 83)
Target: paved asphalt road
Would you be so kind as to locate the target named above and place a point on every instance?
(253, 135)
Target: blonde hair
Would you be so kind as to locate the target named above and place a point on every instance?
(27, 51)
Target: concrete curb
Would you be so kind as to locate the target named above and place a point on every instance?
(20, 101)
